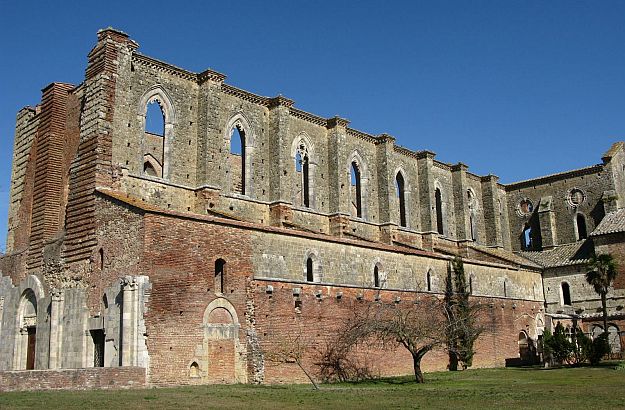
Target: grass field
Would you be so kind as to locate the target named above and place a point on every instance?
(588, 387)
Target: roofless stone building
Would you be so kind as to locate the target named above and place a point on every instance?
(181, 253)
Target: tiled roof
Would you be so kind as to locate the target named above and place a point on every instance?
(563, 255)
(611, 223)
(506, 256)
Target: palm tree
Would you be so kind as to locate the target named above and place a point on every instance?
(601, 275)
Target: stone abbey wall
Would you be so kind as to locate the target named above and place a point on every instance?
(173, 253)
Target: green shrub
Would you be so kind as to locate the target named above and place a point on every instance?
(599, 348)
(557, 345)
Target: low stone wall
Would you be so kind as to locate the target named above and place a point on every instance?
(89, 378)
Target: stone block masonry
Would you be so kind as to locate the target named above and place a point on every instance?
(189, 255)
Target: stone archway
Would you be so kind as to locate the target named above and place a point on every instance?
(26, 338)
(526, 348)
(222, 356)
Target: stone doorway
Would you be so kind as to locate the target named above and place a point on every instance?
(30, 350)
(221, 357)
(98, 347)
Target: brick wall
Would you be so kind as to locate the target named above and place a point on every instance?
(91, 378)
(319, 319)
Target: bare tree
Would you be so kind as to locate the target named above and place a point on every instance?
(419, 328)
(290, 349)
(339, 362)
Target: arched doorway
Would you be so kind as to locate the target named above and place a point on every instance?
(614, 339)
(526, 348)
(26, 340)
(223, 355)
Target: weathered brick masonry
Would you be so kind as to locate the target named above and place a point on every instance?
(171, 257)
(94, 378)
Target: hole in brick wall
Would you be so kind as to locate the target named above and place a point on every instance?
(262, 221)
(168, 206)
(132, 68)
(231, 290)
(284, 172)
(231, 208)
(189, 142)
(128, 127)
(264, 333)
(188, 208)
(211, 205)
(187, 176)
(263, 192)
(262, 161)
(298, 305)
(181, 313)
(126, 162)
(128, 144)
(190, 123)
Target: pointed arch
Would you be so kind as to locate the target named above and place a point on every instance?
(403, 192)
(358, 182)
(379, 276)
(302, 151)
(239, 178)
(151, 166)
(151, 144)
(472, 210)
(312, 267)
(440, 208)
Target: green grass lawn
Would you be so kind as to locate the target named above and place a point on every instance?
(587, 387)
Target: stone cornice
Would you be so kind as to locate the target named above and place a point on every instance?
(405, 151)
(279, 101)
(162, 66)
(459, 167)
(424, 154)
(361, 135)
(306, 116)
(244, 95)
(442, 165)
(385, 138)
(554, 177)
(210, 75)
(336, 121)
(489, 178)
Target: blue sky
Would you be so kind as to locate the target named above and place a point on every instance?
(514, 88)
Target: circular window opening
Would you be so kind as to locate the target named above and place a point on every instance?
(526, 207)
(576, 197)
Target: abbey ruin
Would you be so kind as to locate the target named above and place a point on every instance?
(182, 255)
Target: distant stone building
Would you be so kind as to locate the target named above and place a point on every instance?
(183, 253)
